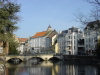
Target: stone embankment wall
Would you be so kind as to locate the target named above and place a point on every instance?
(81, 59)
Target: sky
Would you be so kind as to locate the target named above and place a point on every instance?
(37, 15)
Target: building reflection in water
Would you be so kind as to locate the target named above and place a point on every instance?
(47, 68)
(80, 70)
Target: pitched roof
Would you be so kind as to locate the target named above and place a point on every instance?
(39, 34)
(93, 25)
(72, 29)
(51, 34)
(49, 28)
(22, 39)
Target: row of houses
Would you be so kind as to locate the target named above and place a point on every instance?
(76, 42)
(41, 42)
(72, 41)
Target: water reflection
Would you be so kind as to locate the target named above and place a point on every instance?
(48, 68)
(2, 69)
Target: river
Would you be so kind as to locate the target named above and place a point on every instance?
(48, 68)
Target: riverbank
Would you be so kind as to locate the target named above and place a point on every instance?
(81, 59)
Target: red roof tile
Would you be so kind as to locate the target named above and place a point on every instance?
(22, 39)
(39, 34)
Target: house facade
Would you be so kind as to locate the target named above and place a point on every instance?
(68, 41)
(21, 47)
(39, 44)
(92, 35)
(42, 42)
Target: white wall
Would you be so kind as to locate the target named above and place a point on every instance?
(69, 42)
(90, 40)
(40, 43)
(21, 48)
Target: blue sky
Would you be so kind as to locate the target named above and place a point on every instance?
(36, 15)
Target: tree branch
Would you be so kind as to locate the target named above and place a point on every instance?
(95, 2)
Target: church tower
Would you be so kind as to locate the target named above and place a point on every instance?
(49, 28)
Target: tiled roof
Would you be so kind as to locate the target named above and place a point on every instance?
(22, 39)
(51, 34)
(39, 34)
(93, 25)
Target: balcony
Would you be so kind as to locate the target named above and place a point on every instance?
(80, 42)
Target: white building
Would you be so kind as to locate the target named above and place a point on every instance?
(91, 40)
(21, 47)
(92, 34)
(68, 41)
(42, 42)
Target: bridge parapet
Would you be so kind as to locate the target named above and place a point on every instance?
(25, 58)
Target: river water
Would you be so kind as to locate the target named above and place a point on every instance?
(48, 68)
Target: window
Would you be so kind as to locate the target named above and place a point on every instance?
(69, 37)
(32, 48)
(74, 37)
(74, 47)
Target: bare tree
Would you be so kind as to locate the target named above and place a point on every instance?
(95, 2)
(94, 14)
(3, 0)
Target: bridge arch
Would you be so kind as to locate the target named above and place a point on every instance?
(54, 58)
(15, 59)
(9, 58)
(38, 58)
(46, 57)
(43, 57)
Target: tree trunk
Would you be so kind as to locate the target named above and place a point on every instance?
(5, 47)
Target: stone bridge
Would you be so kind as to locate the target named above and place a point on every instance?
(27, 57)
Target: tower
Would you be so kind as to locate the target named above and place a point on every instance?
(49, 28)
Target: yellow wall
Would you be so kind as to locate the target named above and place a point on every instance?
(56, 48)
